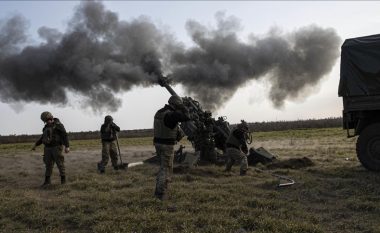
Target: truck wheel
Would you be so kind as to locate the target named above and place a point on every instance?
(368, 147)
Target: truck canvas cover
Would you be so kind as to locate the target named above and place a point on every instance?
(360, 67)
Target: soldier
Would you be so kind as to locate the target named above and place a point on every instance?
(54, 137)
(108, 135)
(166, 135)
(237, 149)
(204, 142)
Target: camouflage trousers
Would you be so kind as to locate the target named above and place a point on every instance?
(235, 155)
(54, 155)
(109, 149)
(166, 155)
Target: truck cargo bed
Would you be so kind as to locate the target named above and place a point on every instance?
(361, 103)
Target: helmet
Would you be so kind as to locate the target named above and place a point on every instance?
(108, 119)
(45, 116)
(175, 101)
(243, 126)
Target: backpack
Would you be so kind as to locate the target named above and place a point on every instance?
(48, 136)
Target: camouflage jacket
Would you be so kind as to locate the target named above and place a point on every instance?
(108, 132)
(53, 134)
(237, 139)
(171, 120)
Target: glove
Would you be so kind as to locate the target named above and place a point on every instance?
(115, 127)
(184, 110)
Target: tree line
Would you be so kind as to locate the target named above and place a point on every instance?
(255, 126)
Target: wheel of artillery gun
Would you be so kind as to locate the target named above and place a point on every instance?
(368, 147)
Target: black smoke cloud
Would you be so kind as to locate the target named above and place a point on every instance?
(96, 58)
(220, 63)
(100, 56)
(12, 34)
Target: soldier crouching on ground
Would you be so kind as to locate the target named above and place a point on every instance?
(237, 148)
(166, 135)
(108, 135)
(54, 137)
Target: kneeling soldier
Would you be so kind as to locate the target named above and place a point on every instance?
(237, 148)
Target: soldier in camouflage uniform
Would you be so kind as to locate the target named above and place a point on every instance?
(166, 135)
(237, 149)
(108, 135)
(54, 137)
(205, 139)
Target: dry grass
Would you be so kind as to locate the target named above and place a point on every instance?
(334, 195)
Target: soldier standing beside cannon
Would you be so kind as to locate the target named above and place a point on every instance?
(166, 134)
(108, 135)
(54, 137)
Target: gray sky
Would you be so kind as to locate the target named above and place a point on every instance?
(251, 102)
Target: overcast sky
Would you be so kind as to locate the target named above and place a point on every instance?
(250, 102)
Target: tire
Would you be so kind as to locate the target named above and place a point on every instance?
(368, 147)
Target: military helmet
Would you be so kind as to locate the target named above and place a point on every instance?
(45, 116)
(108, 119)
(175, 101)
(243, 126)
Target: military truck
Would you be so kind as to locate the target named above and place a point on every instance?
(360, 88)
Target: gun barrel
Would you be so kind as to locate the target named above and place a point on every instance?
(190, 127)
(170, 90)
(163, 81)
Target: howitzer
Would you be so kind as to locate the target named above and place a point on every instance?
(203, 131)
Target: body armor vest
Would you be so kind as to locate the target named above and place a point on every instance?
(161, 130)
(50, 136)
(107, 133)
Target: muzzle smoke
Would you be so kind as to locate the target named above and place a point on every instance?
(100, 56)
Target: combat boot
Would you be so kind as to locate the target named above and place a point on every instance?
(63, 179)
(243, 172)
(47, 181)
(228, 168)
(116, 167)
(101, 168)
(161, 196)
(229, 165)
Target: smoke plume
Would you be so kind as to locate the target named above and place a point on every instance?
(221, 63)
(100, 56)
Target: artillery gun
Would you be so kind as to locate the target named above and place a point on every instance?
(203, 131)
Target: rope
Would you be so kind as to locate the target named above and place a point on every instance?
(280, 177)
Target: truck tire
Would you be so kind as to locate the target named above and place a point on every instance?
(368, 147)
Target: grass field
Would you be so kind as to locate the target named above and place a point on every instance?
(336, 194)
